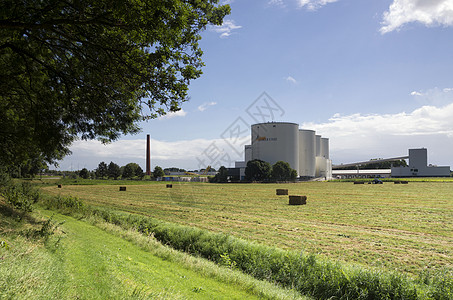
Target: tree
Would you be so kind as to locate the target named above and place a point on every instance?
(282, 171)
(113, 170)
(139, 172)
(88, 68)
(257, 170)
(158, 172)
(130, 170)
(102, 170)
(221, 176)
(84, 173)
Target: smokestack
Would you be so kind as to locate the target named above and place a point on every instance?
(148, 155)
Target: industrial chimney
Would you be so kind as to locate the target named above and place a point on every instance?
(148, 155)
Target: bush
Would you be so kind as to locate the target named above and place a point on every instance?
(20, 196)
(257, 170)
(282, 171)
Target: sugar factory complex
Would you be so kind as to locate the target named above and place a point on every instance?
(308, 154)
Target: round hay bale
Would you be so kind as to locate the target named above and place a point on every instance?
(122, 188)
(59, 186)
(359, 182)
(297, 200)
(281, 191)
(404, 182)
(169, 186)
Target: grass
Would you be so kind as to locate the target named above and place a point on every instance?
(406, 228)
(105, 262)
(308, 274)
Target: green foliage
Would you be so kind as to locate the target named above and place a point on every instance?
(257, 170)
(221, 176)
(84, 173)
(158, 172)
(282, 171)
(113, 170)
(21, 196)
(88, 69)
(64, 202)
(48, 228)
(4, 245)
(102, 170)
(131, 170)
(139, 172)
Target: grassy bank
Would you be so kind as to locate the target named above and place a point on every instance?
(75, 259)
(308, 274)
(406, 228)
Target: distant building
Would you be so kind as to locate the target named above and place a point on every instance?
(303, 150)
(367, 173)
(418, 166)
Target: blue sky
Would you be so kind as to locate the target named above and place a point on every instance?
(375, 77)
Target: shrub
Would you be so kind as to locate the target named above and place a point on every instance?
(20, 196)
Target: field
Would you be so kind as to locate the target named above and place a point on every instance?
(395, 227)
(88, 259)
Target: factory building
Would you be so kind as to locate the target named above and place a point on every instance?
(305, 151)
(418, 166)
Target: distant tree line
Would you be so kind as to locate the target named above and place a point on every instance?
(114, 171)
(258, 170)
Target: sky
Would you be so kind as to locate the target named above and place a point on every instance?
(375, 77)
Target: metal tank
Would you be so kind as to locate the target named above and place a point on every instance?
(324, 151)
(307, 150)
(275, 141)
(318, 145)
(248, 153)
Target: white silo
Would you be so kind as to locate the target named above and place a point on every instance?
(307, 151)
(248, 153)
(275, 141)
(318, 145)
(324, 151)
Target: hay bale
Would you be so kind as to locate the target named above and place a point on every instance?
(297, 200)
(404, 182)
(122, 188)
(59, 186)
(169, 186)
(281, 191)
(397, 182)
(359, 182)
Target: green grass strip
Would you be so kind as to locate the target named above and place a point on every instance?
(308, 274)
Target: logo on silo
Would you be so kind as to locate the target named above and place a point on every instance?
(263, 138)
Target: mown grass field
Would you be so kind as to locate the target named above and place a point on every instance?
(82, 261)
(396, 227)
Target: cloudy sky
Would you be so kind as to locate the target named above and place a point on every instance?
(375, 77)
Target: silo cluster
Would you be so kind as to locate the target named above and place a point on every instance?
(305, 151)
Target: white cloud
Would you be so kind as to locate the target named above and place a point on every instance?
(278, 3)
(435, 96)
(226, 28)
(291, 79)
(184, 153)
(170, 115)
(205, 105)
(427, 12)
(354, 137)
(314, 4)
